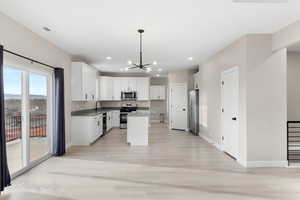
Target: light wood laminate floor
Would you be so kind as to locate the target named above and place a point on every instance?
(176, 165)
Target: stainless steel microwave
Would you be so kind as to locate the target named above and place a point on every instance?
(129, 96)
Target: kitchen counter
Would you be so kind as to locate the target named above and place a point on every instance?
(94, 112)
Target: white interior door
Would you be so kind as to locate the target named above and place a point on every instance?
(178, 107)
(230, 110)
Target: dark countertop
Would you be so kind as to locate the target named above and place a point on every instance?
(94, 112)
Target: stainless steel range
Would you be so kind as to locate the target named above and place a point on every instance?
(125, 109)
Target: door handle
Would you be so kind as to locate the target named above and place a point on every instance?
(183, 109)
(234, 119)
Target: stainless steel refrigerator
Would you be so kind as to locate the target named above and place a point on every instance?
(194, 111)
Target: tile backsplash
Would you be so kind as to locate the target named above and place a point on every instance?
(119, 103)
(83, 105)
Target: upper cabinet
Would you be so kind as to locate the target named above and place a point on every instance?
(128, 84)
(110, 88)
(157, 92)
(106, 88)
(83, 82)
(142, 88)
(116, 89)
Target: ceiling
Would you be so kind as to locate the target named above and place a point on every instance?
(175, 30)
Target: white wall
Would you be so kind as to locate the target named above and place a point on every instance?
(19, 39)
(293, 86)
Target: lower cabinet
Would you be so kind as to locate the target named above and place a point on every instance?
(116, 118)
(86, 129)
(108, 121)
(113, 120)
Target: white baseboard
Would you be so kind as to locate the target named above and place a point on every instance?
(260, 164)
(249, 164)
(294, 165)
(209, 140)
(242, 162)
(68, 145)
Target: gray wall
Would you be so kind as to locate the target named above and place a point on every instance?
(157, 107)
(210, 92)
(17, 38)
(293, 83)
(182, 76)
(262, 101)
(287, 36)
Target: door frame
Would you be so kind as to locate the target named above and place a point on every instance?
(30, 67)
(170, 103)
(223, 73)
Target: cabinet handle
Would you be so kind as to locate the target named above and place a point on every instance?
(86, 96)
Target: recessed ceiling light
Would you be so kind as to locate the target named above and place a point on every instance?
(160, 69)
(126, 69)
(190, 58)
(108, 58)
(149, 69)
(157, 75)
(129, 62)
(46, 29)
(154, 63)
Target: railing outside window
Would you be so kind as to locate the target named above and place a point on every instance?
(13, 127)
(293, 141)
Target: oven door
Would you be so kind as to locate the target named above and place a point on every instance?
(123, 120)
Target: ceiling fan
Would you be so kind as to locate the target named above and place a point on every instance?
(140, 65)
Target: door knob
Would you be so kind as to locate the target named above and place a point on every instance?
(234, 119)
(183, 109)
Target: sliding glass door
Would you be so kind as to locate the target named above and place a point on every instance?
(28, 114)
(39, 144)
(12, 78)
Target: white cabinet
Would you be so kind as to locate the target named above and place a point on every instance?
(142, 88)
(132, 84)
(109, 121)
(128, 83)
(83, 82)
(86, 129)
(91, 82)
(116, 89)
(116, 119)
(106, 88)
(157, 92)
(110, 88)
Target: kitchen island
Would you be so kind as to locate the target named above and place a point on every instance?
(138, 128)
